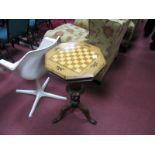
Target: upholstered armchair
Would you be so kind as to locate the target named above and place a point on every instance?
(104, 33)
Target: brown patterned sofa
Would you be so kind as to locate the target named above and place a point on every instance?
(107, 34)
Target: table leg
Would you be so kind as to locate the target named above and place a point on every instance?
(75, 91)
(86, 112)
(62, 113)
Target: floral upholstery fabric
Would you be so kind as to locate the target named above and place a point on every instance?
(108, 35)
(84, 23)
(68, 32)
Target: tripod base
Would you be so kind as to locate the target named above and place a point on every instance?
(75, 90)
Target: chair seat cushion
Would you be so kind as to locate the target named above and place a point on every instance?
(68, 32)
(3, 34)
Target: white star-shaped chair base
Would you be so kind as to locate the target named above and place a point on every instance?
(39, 93)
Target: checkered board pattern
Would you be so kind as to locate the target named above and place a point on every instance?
(75, 58)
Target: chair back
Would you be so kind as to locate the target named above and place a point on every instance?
(17, 27)
(31, 66)
(107, 34)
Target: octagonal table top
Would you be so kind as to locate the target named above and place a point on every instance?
(74, 60)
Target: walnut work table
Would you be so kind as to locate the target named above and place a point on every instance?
(77, 63)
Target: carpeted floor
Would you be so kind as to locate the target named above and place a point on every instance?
(124, 104)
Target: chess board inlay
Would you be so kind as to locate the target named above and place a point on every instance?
(74, 59)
